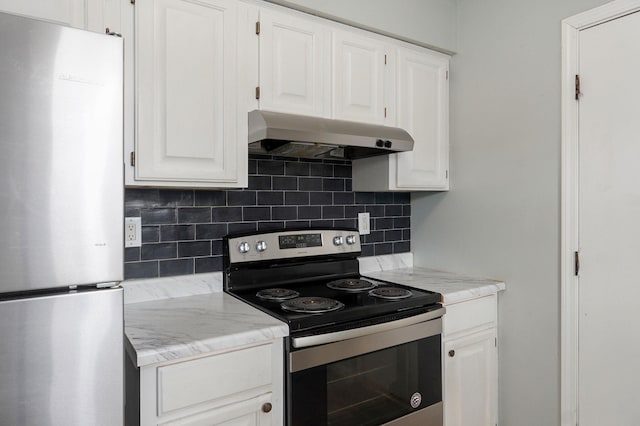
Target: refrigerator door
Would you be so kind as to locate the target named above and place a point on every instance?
(61, 359)
(61, 163)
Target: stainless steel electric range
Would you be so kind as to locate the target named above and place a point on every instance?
(360, 351)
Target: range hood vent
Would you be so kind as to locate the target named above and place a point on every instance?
(291, 135)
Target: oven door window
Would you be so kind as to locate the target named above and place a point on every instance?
(368, 389)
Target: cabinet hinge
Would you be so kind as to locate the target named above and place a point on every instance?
(132, 159)
(258, 92)
(576, 263)
(258, 28)
(108, 31)
(578, 92)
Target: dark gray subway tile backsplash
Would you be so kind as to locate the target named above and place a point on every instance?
(182, 229)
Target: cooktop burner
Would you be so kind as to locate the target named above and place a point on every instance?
(310, 279)
(277, 294)
(351, 285)
(391, 293)
(315, 305)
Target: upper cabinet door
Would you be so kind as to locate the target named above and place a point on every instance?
(423, 111)
(294, 64)
(73, 13)
(358, 78)
(188, 112)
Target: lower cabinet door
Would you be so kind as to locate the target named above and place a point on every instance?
(470, 380)
(252, 412)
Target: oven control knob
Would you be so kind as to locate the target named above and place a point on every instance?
(351, 239)
(244, 247)
(338, 240)
(261, 246)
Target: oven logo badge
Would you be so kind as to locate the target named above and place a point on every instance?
(416, 399)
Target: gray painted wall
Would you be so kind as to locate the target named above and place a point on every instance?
(426, 22)
(502, 215)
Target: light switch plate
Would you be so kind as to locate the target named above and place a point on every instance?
(364, 223)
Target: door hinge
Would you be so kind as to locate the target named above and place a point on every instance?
(446, 174)
(578, 92)
(258, 92)
(576, 263)
(132, 159)
(258, 28)
(446, 75)
(495, 342)
(385, 59)
(385, 112)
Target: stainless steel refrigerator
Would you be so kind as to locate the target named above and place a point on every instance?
(61, 229)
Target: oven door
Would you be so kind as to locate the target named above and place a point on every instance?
(386, 377)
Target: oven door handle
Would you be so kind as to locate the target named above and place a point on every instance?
(320, 339)
(371, 339)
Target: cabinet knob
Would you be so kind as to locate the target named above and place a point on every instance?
(266, 407)
(452, 353)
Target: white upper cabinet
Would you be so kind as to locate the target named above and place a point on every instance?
(358, 78)
(190, 120)
(93, 15)
(423, 111)
(422, 102)
(65, 12)
(294, 70)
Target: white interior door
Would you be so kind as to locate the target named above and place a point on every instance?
(609, 224)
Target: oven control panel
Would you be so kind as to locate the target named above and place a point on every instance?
(291, 244)
(296, 241)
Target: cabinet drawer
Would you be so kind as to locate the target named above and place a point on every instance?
(474, 314)
(207, 379)
(249, 412)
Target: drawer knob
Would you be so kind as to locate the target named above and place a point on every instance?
(266, 407)
(452, 353)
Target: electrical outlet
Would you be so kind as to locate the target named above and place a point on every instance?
(364, 224)
(132, 232)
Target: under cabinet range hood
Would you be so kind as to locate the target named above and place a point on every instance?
(291, 135)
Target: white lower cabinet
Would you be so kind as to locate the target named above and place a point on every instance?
(252, 412)
(470, 358)
(237, 387)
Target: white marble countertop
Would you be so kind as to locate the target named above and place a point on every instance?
(454, 287)
(180, 317)
(163, 324)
